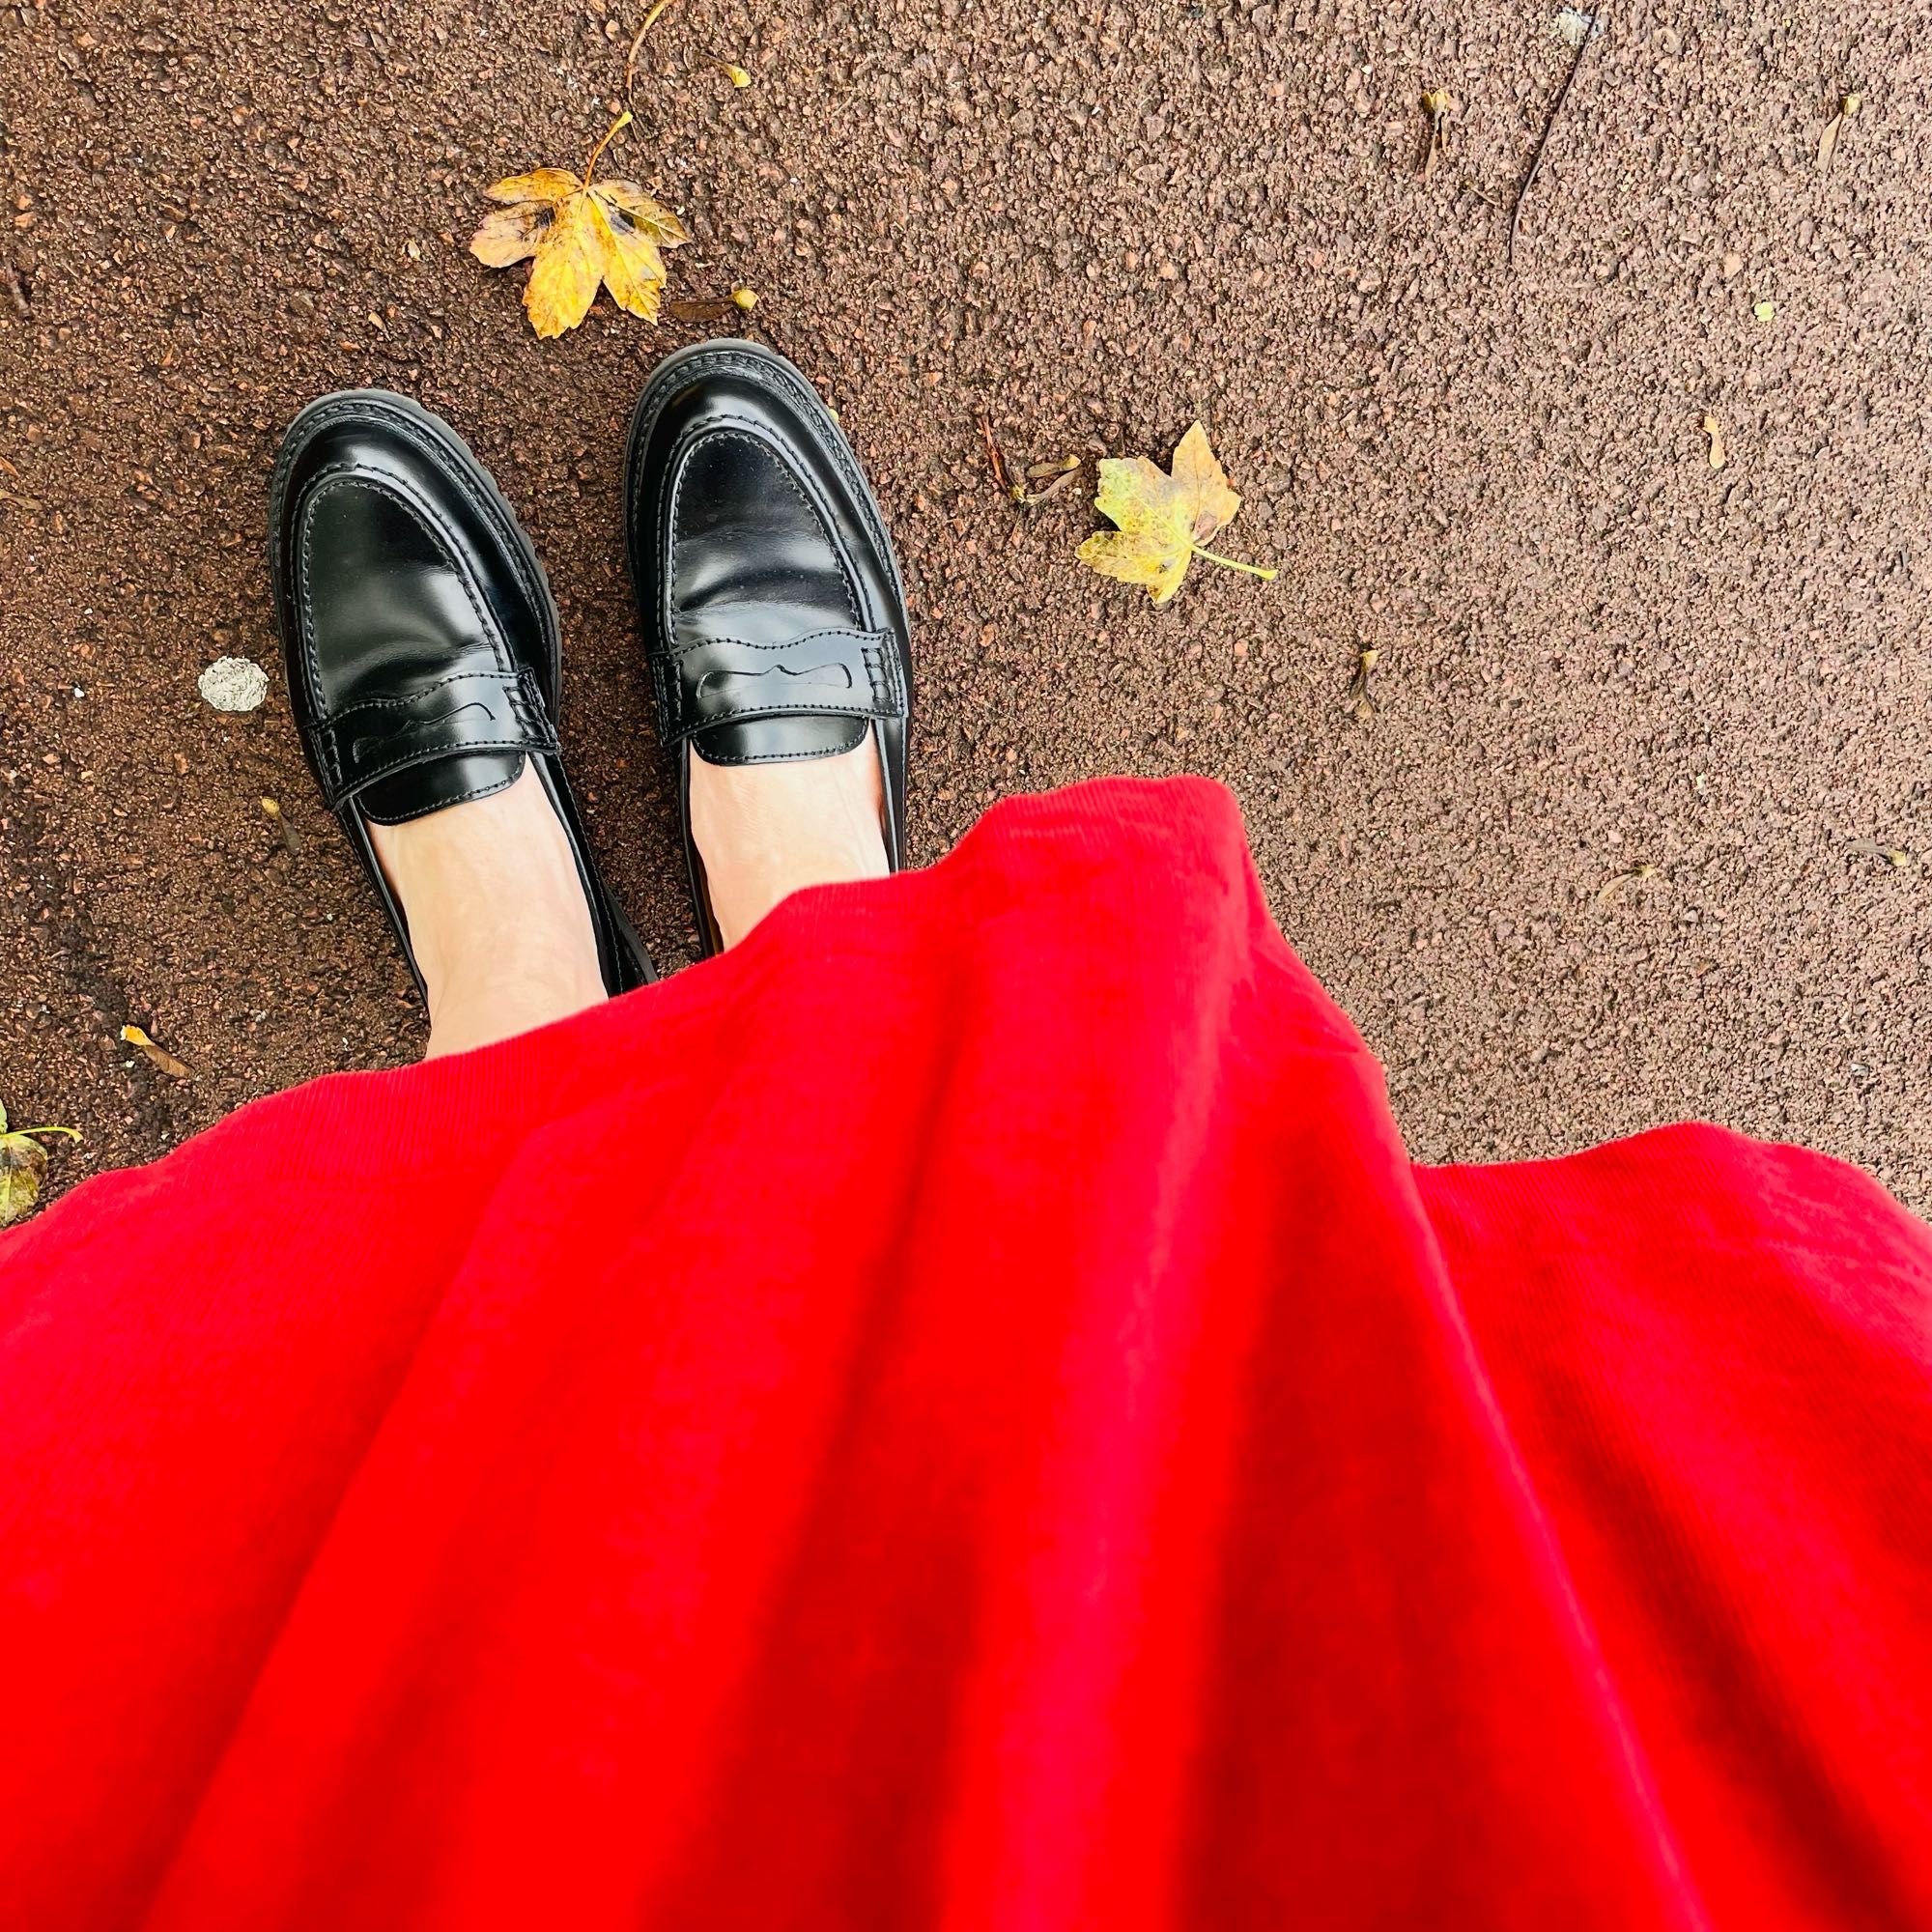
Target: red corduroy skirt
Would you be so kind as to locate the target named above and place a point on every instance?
(961, 1415)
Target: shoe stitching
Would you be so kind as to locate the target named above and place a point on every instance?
(534, 733)
(346, 790)
(488, 500)
(811, 404)
(512, 681)
(449, 465)
(865, 639)
(339, 477)
(885, 687)
(765, 447)
(442, 805)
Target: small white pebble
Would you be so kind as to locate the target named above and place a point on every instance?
(1573, 26)
(232, 684)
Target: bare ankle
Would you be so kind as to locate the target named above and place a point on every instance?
(498, 918)
(767, 831)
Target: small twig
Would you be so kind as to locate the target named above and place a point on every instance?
(993, 453)
(638, 40)
(1543, 140)
(1048, 491)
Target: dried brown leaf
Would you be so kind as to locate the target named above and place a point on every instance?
(1870, 849)
(1610, 889)
(1828, 142)
(175, 1069)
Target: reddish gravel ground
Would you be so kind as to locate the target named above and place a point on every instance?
(1092, 223)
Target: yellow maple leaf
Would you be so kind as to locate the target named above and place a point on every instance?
(583, 233)
(1164, 520)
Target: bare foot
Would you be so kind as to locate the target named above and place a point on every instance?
(497, 913)
(764, 831)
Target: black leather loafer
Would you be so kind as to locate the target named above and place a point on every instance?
(419, 634)
(774, 616)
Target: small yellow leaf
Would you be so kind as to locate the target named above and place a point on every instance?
(23, 1160)
(23, 1163)
(745, 298)
(1164, 521)
(735, 74)
(1765, 311)
(1714, 431)
(174, 1069)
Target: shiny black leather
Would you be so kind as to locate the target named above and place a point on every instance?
(418, 633)
(774, 616)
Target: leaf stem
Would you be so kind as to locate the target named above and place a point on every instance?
(73, 1133)
(1265, 575)
(610, 133)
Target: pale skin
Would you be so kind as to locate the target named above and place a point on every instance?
(497, 919)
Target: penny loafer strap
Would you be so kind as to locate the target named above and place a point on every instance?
(471, 711)
(822, 674)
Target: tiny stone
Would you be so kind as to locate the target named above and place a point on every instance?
(1573, 26)
(232, 684)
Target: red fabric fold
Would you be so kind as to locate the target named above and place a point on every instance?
(961, 1415)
